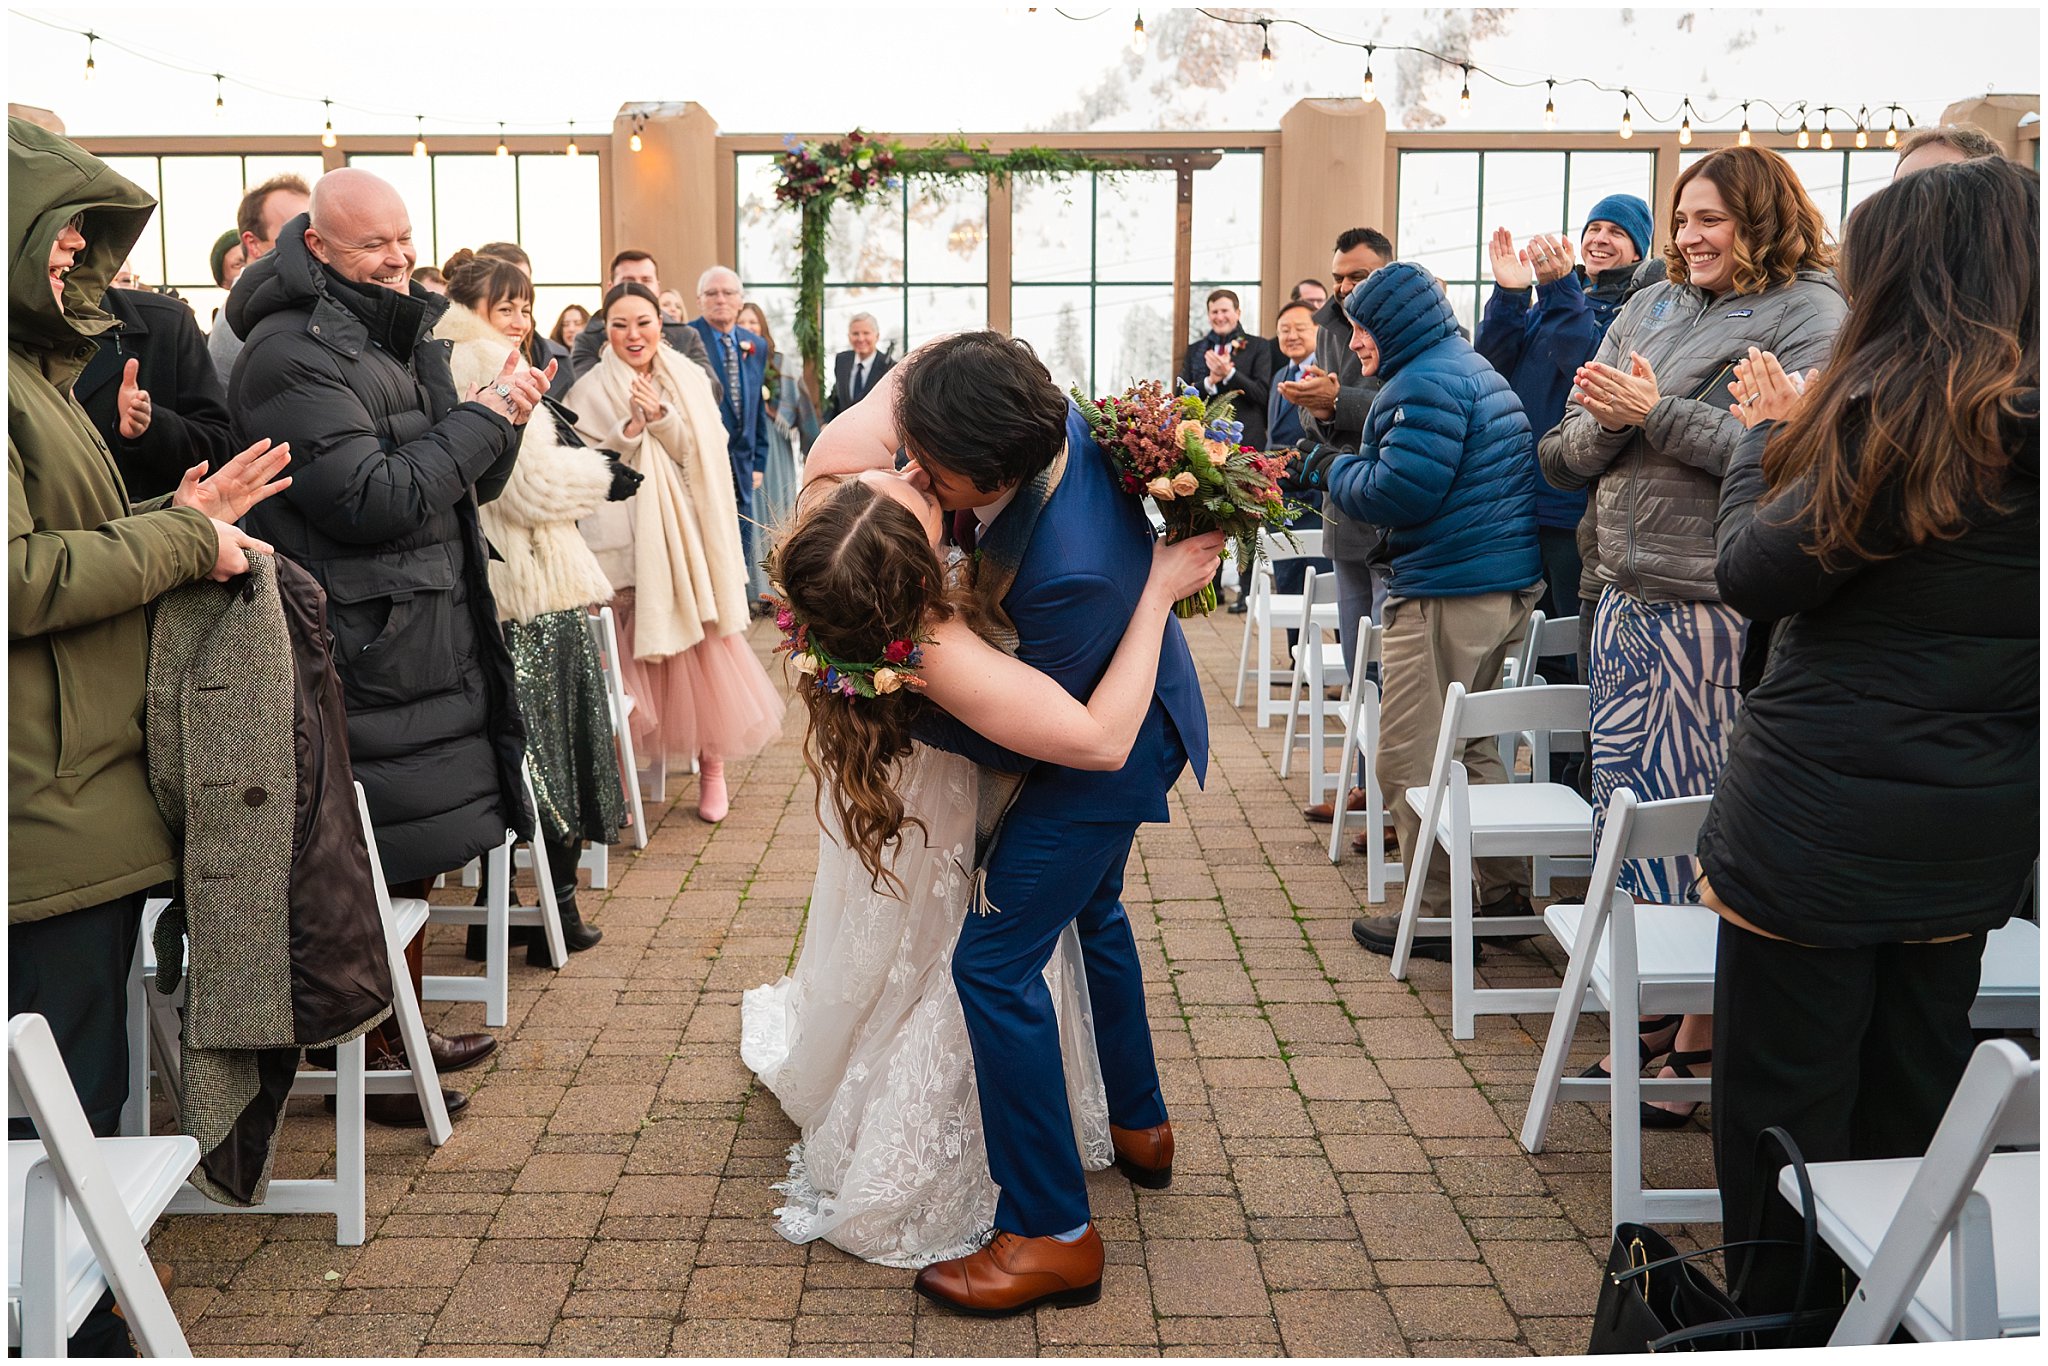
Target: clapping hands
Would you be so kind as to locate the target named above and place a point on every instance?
(1764, 392)
(648, 404)
(1548, 257)
(516, 390)
(242, 483)
(1617, 399)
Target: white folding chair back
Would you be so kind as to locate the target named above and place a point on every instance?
(604, 627)
(1267, 618)
(2009, 987)
(498, 915)
(1489, 821)
(1318, 667)
(1950, 1245)
(79, 1209)
(1630, 960)
(1357, 760)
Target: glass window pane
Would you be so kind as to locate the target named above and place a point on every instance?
(866, 246)
(1439, 214)
(1134, 336)
(1054, 319)
(1229, 212)
(768, 230)
(1595, 175)
(1869, 172)
(1247, 304)
(1134, 226)
(148, 252)
(843, 301)
(412, 178)
(474, 202)
(558, 218)
(948, 231)
(550, 300)
(204, 299)
(1050, 224)
(936, 310)
(1822, 173)
(200, 194)
(1524, 194)
(1465, 299)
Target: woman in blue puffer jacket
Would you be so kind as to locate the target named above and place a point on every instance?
(1445, 464)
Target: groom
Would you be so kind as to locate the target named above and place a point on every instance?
(1063, 554)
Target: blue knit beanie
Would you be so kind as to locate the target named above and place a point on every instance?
(1626, 212)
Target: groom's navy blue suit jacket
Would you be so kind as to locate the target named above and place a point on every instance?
(1075, 592)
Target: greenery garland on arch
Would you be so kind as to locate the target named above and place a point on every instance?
(817, 177)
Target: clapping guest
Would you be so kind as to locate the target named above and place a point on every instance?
(792, 427)
(1229, 360)
(1294, 333)
(672, 553)
(544, 578)
(1750, 265)
(637, 266)
(742, 358)
(537, 349)
(1878, 814)
(858, 369)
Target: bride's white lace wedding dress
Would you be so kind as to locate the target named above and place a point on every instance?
(866, 1048)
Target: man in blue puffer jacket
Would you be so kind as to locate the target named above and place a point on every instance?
(1445, 465)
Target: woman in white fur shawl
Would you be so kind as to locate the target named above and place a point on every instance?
(673, 553)
(544, 579)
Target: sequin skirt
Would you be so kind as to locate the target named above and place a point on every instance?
(569, 744)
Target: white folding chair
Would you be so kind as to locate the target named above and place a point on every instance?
(1630, 960)
(79, 1209)
(1318, 667)
(2009, 987)
(604, 628)
(1949, 1244)
(154, 1026)
(1490, 820)
(1358, 759)
(1268, 616)
(498, 915)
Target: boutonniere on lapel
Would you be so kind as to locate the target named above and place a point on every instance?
(746, 347)
(1236, 344)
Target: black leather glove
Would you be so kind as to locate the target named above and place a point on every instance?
(625, 479)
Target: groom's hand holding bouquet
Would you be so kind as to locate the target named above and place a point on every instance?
(1189, 457)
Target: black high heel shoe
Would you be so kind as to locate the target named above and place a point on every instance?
(1656, 1116)
(1654, 1038)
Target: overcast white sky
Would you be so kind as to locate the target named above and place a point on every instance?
(764, 68)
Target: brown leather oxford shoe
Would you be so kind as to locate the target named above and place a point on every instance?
(461, 1051)
(1145, 1155)
(1014, 1273)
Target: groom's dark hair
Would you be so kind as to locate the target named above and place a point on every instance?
(983, 406)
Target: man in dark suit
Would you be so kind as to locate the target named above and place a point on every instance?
(1227, 358)
(152, 392)
(740, 359)
(855, 372)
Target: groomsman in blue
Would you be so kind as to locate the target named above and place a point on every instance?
(741, 360)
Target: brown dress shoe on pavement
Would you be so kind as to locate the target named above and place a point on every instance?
(1362, 843)
(464, 1050)
(1014, 1273)
(399, 1109)
(1145, 1155)
(1322, 813)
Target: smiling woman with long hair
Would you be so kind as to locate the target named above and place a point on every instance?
(1878, 813)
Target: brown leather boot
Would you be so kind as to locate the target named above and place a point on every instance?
(1145, 1155)
(1014, 1273)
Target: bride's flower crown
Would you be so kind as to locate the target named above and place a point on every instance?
(895, 670)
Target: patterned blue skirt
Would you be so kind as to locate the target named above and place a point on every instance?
(1663, 685)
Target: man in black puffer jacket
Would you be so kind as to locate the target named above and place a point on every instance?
(338, 360)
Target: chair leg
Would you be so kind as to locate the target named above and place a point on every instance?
(135, 1112)
(498, 935)
(412, 1031)
(1464, 951)
(1244, 658)
(1564, 1028)
(1411, 897)
(44, 1258)
(1294, 690)
(550, 909)
(600, 860)
(1376, 815)
(351, 1181)
(1346, 760)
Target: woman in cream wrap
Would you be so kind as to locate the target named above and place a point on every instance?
(672, 552)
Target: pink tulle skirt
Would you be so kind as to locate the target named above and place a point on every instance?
(714, 699)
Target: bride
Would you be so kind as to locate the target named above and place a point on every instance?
(864, 1044)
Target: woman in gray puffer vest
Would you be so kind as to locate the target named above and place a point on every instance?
(1651, 419)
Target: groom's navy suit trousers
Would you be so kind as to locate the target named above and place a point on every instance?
(1060, 856)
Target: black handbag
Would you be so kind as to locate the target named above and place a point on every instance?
(1653, 1299)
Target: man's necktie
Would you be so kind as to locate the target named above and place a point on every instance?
(732, 376)
(860, 379)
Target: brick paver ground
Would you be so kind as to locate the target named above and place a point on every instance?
(1347, 1180)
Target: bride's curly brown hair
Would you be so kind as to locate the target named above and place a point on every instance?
(857, 570)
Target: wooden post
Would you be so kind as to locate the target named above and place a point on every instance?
(1183, 252)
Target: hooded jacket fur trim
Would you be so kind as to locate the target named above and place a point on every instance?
(545, 565)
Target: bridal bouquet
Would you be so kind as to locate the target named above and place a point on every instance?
(1189, 456)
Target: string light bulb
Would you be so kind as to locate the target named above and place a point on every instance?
(1827, 134)
(90, 39)
(1465, 92)
(1891, 128)
(1863, 126)
(219, 95)
(503, 150)
(572, 149)
(1805, 138)
(1742, 133)
(1685, 125)
(1550, 105)
(419, 141)
(634, 141)
(327, 133)
(1138, 34)
(1265, 51)
(1628, 126)
(1370, 92)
